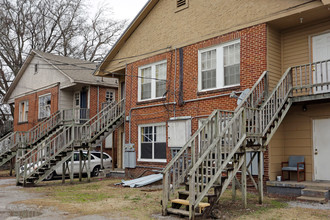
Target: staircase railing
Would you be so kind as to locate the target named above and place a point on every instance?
(311, 78)
(271, 107)
(257, 94)
(177, 169)
(210, 165)
(101, 121)
(43, 128)
(11, 141)
(45, 152)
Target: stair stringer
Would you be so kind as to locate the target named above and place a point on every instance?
(215, 177)
(44, 153)
(54, 167)
(8, 158)
(277, 123)
(106, 133)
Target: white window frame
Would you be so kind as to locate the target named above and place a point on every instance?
(109, 91)
(48, 94)
(23, 117)
(220, 78)
(153, 80)
(139, 140)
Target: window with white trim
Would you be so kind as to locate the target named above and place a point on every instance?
(44, 106)
(152, 142)
(152, 81)
(219, 66)
(109, 96)
(23, 111)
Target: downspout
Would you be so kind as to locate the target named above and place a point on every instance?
(174, 89)
(98, 99)
(181, 102)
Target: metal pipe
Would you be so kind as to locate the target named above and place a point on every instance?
(209, 97)
(141, 107)
(98, 98)
(174, 89)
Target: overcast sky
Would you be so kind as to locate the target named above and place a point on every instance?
(121, 9)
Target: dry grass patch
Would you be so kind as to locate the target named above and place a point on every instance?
(103, 198)
(98, 197)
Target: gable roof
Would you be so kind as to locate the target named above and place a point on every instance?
(177, 31)
(77, 71)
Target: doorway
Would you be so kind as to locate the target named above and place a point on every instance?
(321, 148)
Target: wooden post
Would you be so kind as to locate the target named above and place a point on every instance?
(11, 167)
(89, 165)
(233, 187)
(244, 195)
(260, 177)
(165, 193)
(63, 173)
(72, 171)
(80, 165)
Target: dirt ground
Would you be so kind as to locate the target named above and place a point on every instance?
(101, 199)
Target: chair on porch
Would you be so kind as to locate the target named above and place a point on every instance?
(295, 164)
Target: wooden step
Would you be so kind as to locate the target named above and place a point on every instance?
(201, 205)
(312, 199)
(180, 212)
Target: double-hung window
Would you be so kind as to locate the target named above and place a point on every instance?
(219, 66)
(44, 106)
(152, 143)
(23, 111)
(109, 96)
(152, 81)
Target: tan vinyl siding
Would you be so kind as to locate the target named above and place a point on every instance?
(295, 137)
(273, 56)
(164, 28)
(296, 43)
(276, 151)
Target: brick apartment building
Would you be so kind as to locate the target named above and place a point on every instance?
(49, 83)
(178, 61)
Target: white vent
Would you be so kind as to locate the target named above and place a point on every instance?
(180, 3)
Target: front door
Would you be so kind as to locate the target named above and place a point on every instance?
(321, 52)
(321, 142)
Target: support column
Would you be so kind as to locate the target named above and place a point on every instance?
(63, 172)
(260, 176)
(80, 164)
(72, 171)
(244, 195)
(233, 188)
(89, 166)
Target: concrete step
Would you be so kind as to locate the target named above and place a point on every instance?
(320, 193)
(312, 199)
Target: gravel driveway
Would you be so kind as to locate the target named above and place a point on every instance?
(11, 209)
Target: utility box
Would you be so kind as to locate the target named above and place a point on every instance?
(179, 131)
(129, 156)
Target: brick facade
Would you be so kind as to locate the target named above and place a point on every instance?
(252, 63)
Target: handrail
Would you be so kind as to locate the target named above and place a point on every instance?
(260, 84)
(223, 149)
(45, 152)
(97, 124)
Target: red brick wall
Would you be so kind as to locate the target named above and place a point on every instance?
(33, 108)
(253, 63)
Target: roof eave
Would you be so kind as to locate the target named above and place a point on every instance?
(125, 35)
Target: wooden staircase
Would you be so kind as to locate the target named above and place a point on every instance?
(58, 146)
(213, 162)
